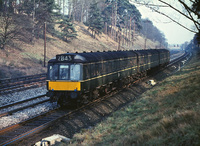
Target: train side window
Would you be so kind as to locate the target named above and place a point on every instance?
(118, 65)
(86, 72)
(110, 67)
(107, 67)
(114, 65)
(97, 73)
(92, 70)
(101, 68)
(135, 61)
(121, 64)
(128, 63)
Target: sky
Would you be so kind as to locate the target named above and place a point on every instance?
(174, 33)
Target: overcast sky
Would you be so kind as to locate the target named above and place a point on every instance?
(174, 33)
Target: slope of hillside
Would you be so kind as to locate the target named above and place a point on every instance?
(26, 58)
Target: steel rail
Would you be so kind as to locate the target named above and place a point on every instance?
(22, 88)
(48, 123)
(22, 108)
(178, 59)
(22, 101)
(11, 80)
(16, 84)
(22, 83)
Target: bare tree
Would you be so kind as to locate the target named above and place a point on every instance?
(8, 30)
(187, 5)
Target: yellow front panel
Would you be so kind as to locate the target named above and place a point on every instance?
(64, 86)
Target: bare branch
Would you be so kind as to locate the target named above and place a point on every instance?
(180, 11)
(192, 1)
(173, 20)
(192, 18)
(188, 8)
(149, 4)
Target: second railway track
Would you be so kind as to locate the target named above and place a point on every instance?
(22, 83)
(9, 109)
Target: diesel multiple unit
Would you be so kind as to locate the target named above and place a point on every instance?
(76, 76)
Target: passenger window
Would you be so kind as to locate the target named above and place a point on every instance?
(92, 70)
(87, 72)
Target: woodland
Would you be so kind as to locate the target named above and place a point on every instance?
(119, 19)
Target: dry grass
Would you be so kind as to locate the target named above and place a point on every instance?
(168, 114)
(27, 58)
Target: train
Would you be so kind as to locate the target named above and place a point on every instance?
(82, 77)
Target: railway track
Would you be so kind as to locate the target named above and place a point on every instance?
(21, 105)
(36, 124)
(18, 131)
(21, 83)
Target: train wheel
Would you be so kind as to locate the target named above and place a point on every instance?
(93, 94)
(120, 84)
(85, 99)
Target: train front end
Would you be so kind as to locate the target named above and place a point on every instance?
(64, 78)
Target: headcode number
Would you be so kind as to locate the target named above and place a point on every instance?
(64, 58)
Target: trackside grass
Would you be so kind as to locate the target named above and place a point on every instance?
(168, 114)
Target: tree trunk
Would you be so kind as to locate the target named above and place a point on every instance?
(33, 21)
(81, 12)
(130, 32)
(63, 7)
(69, 8)
(112, 24)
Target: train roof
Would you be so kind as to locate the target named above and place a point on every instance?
(100, 56)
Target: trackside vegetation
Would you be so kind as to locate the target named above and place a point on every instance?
(168, 114)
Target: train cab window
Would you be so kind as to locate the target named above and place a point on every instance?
(64, 72)
(75, 71)
(53, 72)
